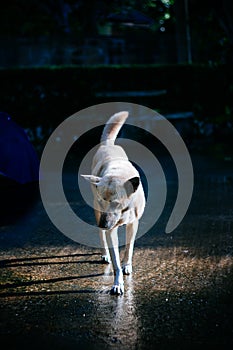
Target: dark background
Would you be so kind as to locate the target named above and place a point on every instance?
(58, 57)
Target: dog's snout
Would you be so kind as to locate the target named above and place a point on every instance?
(103, 223)
(107, 221)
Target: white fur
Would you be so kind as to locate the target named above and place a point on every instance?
(118, 199)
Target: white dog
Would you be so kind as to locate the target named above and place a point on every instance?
(118, 199)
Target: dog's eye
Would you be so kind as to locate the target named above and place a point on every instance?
(125, 209)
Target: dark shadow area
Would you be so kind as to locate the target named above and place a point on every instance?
(206, 230)
(17, 200)
(47, 342)
(186, 320)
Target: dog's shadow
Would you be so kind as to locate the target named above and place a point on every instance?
(11, 287)
(35, 261)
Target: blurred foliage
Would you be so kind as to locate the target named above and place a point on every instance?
(211, 23)
(33, 18)
(20, 18)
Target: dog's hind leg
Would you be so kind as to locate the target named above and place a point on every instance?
(112, 239)
(104, 246)
(131, 230)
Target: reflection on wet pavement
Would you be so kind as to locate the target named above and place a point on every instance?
(55, 293)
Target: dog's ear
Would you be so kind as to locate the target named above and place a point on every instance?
(92, 179)
(131, 185)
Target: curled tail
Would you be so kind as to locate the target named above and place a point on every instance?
(113, 127)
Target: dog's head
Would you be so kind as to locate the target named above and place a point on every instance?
(113, 197)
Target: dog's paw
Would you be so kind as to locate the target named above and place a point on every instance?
(105, 259)
(117, 289)
(127, 269)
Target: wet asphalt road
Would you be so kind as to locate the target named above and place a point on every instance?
(55, 292)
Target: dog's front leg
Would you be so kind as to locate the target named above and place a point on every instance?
(104, 246)
(131, 230)
(112, 239)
